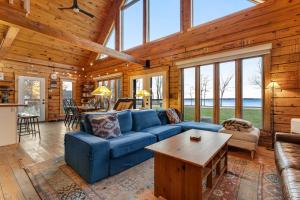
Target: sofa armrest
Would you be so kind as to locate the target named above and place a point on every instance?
(287, 137)
(88, 155)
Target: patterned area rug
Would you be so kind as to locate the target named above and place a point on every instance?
(245, 180)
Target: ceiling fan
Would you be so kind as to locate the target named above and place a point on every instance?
(77, 9)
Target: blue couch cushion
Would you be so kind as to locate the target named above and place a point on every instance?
(199, 125)
(144, 119)
(130, 142)
(162, 115)
(164, 131)
(125, 121)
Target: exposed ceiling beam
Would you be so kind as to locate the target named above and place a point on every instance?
(13, 17)
(25, 59)
(106, 28)
(8, 39)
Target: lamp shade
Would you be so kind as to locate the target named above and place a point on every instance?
(273, 84)
(143, 93)
(102, 91)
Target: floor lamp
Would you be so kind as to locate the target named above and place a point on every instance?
(105, 93)
(272, 86)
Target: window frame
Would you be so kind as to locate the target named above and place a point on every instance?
(147, 85)
(124, 7)
(146, 23)
(113, 28)
(61, 91)
(238, 89)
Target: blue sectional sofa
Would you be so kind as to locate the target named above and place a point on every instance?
(94, 158)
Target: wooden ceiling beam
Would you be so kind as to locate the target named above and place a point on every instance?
(8, 39)
(17, 19)
(29, 60)
(106, 28)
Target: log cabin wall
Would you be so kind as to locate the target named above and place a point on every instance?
(275, 21)
(12, 70)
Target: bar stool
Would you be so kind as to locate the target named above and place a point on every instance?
(28, 125)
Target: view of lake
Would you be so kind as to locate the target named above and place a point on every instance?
(247, 102)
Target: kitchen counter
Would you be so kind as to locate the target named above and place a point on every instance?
(11, 105)
(8, 123)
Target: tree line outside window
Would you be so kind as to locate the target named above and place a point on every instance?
(225, 76)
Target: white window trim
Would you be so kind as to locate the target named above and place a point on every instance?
(226, 56)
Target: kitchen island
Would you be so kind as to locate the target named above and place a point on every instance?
(8, 123)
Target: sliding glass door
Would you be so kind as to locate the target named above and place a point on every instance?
(189, 91)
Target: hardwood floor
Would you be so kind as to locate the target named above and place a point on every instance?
(14, 183)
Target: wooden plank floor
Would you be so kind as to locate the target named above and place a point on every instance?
(14, 183)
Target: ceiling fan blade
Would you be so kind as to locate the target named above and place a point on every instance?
(87, 13)
(66, 8)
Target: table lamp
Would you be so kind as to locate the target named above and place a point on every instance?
(143, 94)
(104, 92)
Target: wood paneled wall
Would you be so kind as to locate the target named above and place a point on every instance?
(53, 99)
(276, 22)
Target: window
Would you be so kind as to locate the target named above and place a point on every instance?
(207, 93)
(155, 89)
(227, 90)
(164, 18)
(67, 91)
(156, 92)
(110, 42)
(252, 90)
(114, 85)
(189, 84)
(132, 24)
(205, 10)
(137, 86)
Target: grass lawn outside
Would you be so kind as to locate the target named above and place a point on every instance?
(253, 115)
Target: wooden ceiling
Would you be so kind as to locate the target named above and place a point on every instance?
(35, 45)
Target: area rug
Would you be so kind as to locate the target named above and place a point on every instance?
(245, 180)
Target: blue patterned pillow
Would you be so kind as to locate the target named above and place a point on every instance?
(106, 126)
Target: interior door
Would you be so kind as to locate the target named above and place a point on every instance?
(31, 91)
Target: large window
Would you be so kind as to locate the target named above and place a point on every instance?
(110, 42)
(227, 90)
(252, 90)
(207, 93)
(238, 84)
(164, 18)
(132, 24)
(189, 88)
(208, 10)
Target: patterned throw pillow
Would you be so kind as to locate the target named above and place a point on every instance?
(106, 126)
(172, 116)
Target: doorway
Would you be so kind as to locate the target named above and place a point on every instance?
(31, 91)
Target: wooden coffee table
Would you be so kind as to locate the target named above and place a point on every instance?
(185, 169)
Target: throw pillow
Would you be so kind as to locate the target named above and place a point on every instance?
(173, 116)
(106, 126)
(236, 124)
